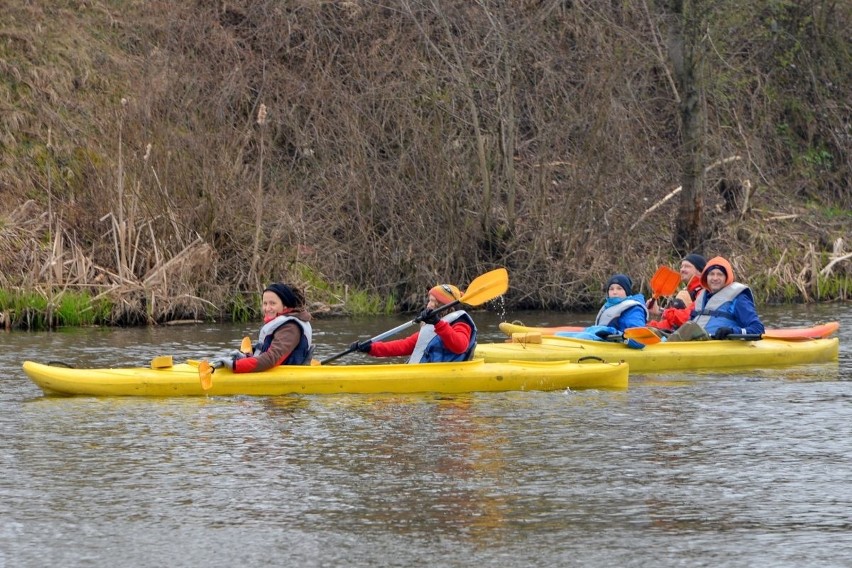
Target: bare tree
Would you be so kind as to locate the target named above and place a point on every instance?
(685, 50)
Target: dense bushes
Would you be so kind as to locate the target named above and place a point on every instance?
(410, 143)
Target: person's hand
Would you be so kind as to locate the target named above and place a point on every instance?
(723, 332)
(653, 307)
(604, 333)
(678, 304)
(226, 362)
(238, 355)
(362, 346)
(428, 316)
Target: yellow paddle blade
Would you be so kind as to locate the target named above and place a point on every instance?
(205, 374)
(486, 287)
(664, 282)
(246, 346)
(161, 362)
(643, 335)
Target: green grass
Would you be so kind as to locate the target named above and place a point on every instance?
(34, 311)
(243, 310)
(354, 302)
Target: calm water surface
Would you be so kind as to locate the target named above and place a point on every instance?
(715, 469)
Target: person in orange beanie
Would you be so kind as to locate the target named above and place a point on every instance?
(442, 336)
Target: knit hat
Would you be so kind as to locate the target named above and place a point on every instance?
(696, 260)
(446, 293)
(288, 297)
(622, 280)
(718, 267)
(720, 263)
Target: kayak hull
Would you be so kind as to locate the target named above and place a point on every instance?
(468, 376)
(818, 331)
(669, 356)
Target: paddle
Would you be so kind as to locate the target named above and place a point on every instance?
(643, 335)
(628, 341)
(646, 336)
(485, 287)
(205, 368)
(664, 282)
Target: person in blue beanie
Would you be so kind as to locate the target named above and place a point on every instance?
(621, 309)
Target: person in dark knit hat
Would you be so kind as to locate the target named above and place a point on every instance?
(680, 310)
(286, 337)
(691, 268)
(622, 308)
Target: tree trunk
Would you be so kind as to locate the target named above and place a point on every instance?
(685, 50)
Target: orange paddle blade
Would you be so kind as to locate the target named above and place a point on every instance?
(664, 282)
(246, 347)
(205, 374)
(642, 334)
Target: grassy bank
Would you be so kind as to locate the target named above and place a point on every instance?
(170, 159)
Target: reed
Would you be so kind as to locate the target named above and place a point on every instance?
(381, 163)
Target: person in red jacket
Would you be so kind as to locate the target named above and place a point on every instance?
(443, 337)
(680, 311)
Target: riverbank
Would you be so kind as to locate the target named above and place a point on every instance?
(208, 153)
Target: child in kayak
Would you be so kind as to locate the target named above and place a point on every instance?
(443, 337)
(286, 337)
(621, 309)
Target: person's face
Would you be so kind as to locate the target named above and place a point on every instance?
(271, 305)
(432, 302)
(616, 291)
(716, 280)
(687, 271)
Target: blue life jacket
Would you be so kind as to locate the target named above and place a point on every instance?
(430, 349)
(718, 310)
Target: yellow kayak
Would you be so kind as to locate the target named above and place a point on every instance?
(467, 376)
(665, 356)
(818, 331)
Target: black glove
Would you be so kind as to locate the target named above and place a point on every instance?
(362, 346)
(723, 332)
(678, 304)
(603, 334)
(428, 316)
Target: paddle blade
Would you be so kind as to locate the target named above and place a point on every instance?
(641, 334)
(205, 374)
(664, 282)
(246, 347)
(486, 287)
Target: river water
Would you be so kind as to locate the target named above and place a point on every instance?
(712, 469)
